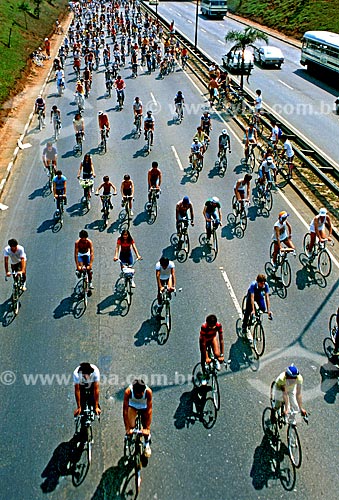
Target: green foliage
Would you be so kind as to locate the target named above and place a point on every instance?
(13, 59)
(290, 16)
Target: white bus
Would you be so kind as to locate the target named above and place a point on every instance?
(320, 49)
(213, 8)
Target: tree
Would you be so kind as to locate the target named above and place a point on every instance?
(244, 39)
(24, 7)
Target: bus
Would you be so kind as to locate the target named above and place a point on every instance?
(213, 8)
(320, 50)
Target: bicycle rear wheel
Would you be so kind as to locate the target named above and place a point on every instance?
(328, 346)
(286, 275)
(258, 339)
(82, 464)
(324, 263)
(294, 446)
(268, 425)
(268, 201)
(215, 390)
(209, 414)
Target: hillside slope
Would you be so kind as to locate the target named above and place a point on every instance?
(292, 17)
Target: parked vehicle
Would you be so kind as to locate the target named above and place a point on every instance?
(269, 56)
(233, 61)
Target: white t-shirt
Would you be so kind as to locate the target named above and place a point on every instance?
(282, 227)
(165, 274)
(17, 256)
(258, 103)
(288, 148)
(275, 133)
(79, 379)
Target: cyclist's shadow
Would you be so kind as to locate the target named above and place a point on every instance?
(149, 331)
(191, 408)
(116, 482)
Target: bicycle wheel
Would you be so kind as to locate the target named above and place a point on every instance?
(128, 287)
(154, 309)
(286, 471)
(154, 210)
(258, 339)
(271, 251)
(243, 304)
(272, 389)
(82, 464)
(168, 317)
(286, 275)
(215, 390)
(306, 242)
(215, 242)
(251, 163)
(234, 206)
(137, 466)
(15, 301)
(163, 334)
(181, 255)
(223, 166)
(332, 326)
(328, 345)
(120, 289)
(243, 220)
(268, 201)
(197, 375)
(294, 446)
(209, 414)
(186, 242)
(85, 292)
(203, 239)
(268, 425)
(324, 263)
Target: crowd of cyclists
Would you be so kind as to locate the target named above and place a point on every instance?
(140, 37)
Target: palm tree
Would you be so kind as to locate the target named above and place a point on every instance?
(244, 39)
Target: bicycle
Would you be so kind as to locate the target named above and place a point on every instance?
(282, 268)
(84, 433)
(272, 426)
(329, 342)
(319, 252)
(239, 216)
(196, 165)
(181, 241)
(58, 214)
(57, 127)
(212, 243)
(149, 141)
(17, 290)
(103, 140)
(257, 329)
(162, 312)
(264, 192)
(51, 174)
(41, 121)
(106, 207)
(120, 99)
(86, 185)
(80, 102)
(124, 286)
(152, 205)
(221, 162)
(134, 445)
(77, 148)
(211, 376)
(83, 285)
(179, 109)
(250, 159)
(137, 123)
(125, 213)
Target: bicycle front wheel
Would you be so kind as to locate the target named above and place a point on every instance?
(269, 426)
(197, 375)
(251, 163)
(286, 274)
(268, 201)
(332, 326)
(168, 316)
(259, 339)
(324, 263)
(294, 446)
(128, 286)
(215, 242)
(306, 242)
(328, 347)
(215, 391)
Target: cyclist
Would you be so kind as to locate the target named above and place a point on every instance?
(84, 256)
(86, 378)
(154, 178)
(127, 191)
(224, 142)
(287, 390)
(60, 78)
(282, 234)
(137, 108)
(265, 169)
(203, 138)
(138, 398)
(205, 122)
(317, 229)
(40, 105)
(149, 125)
(213, 88)
(181, 212)
(289, 152)
(211, 334)
(123, 250)
(59, 188)
(49, 156)
(103, 122)
(258, 102)
(120, 85)
(165, 275)
(257, 294)
(79, 126)
(197, 148)
(251, 138)
(106, 186)
(274, 137)
(241, 186)
(212, 210)
(86, 167)
(16, 254)
(179, 101)
(55, 115)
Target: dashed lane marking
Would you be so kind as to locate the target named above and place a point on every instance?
(288, 86)
(231, 292)
(176, 156)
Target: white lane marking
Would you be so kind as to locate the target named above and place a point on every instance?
(302, 220)
(177, 158)
(202, 29)
(220, 41)
(153, 98)
(189, 21)
(288, 86)
(231, 292)
(179, 14)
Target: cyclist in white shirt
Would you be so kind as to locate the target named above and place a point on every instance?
(86, 378)
(242, 188)
(265, 171)
(251, 138)
(317, 229)
(137, 108)
(288, 151)
(196, 149)
(282, 234)
(258, 102)
(274, 137)
(165, 275)
(15, 253)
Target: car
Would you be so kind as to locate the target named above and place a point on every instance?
(232, 61)
(269, 56)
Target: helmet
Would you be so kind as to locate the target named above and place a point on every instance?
(195, 139)
(205, 112)
(269, 159)
(283, 215)
(179, 92)
(322, 212)
(149, 112)
(292, 371)
(215, 199)
(186, 200)
(46, 39)
(100, 113)
(224, 131)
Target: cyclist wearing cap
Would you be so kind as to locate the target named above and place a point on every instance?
(154, 178)
(103, 122)
(202, 137)
(317, 229)
(138, 399)
(287, 390)
(224, 142)
(86, 378)
(127, 191)
(212, 210)
(149, 125)
(211, 333)
(181, 212)
(282, 234)
(197, 148)
(137, 108)
(265, 169)
(205, 122)
(251, 138)
(258, 294)
(241, 186)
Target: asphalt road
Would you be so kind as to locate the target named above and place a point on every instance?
(299, 98)
(229, 461)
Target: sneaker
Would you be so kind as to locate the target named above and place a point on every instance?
(203, 380)
(133, 284)
(217, 365)
(91, 286)
(147, 450)
(24, 287)
(131, 212)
